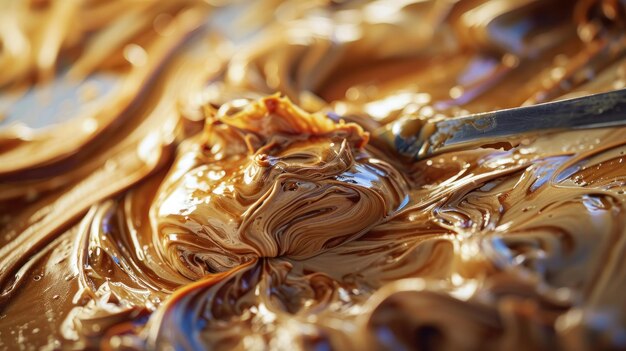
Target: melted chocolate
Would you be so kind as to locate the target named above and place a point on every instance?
(219, 218)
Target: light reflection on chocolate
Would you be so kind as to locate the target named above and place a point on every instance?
(221, 217)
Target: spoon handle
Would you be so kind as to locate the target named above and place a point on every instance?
(593, 111)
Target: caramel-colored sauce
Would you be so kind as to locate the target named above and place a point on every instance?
(230, 196)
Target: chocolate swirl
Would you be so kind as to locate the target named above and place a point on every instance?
(216, 217)
(271, 181)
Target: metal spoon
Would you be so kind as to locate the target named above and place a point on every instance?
(416, 139)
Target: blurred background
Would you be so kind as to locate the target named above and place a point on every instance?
(75, 74)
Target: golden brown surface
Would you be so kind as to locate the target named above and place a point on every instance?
(207, 212)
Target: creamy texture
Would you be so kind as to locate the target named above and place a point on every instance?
(273, 182)
(220, 216)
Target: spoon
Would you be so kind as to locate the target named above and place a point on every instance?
(416, 138)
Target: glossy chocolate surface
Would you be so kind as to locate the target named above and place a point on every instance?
(219, 214)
